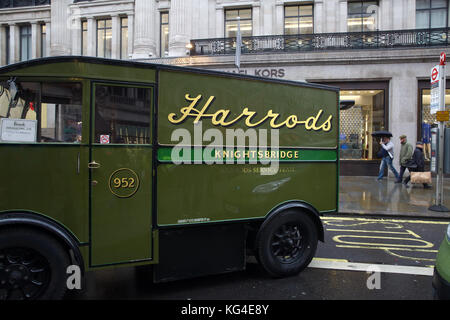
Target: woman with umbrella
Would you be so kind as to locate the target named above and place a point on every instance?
(386, 153)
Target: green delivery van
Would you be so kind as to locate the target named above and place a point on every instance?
(108, 163)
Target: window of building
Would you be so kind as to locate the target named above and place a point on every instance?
(7, 39)
(43, 40)
(231, 24)
(362, 16)
(104, 38)
(431, 14)
(122, 114)
(298, 19)
(51, 112)
(164, 34)
(25, 43)
(426, 120)
(359, 121)
(22, 3)
(84, 37)
(123, 38)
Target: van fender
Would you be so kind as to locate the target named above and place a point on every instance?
(302, 208)
(50, 226)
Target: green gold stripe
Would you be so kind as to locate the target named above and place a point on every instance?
(189, 154)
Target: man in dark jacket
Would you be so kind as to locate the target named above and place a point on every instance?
(419, 161)
(406, 152)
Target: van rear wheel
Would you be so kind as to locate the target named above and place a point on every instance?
(32, 265)
(287, 243)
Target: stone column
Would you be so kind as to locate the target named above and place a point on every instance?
(384, 16)
(179, 27)
(279, 21)
(14, 47)
(91, 37)
(61, 41)
(35, 40)
(144, 41)
(48, 37)
(130, 35)
(342, 19)
(115, 41)
(220, 22)
(256, 17)
(76, 36)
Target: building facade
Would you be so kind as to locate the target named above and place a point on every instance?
(379, 53)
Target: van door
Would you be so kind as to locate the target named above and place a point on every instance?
(121, 174)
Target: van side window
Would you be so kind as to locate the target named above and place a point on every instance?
(122, 114)
(52, 110)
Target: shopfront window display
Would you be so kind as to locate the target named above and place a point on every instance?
(359, 121)
(428, 120)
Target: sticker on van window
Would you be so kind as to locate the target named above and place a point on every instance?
(18, 130)
(104, 139)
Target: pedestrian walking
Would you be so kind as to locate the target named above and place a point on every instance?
(406, 152)
(419, 161)
(387, 157)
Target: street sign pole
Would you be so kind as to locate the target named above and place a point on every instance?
(439, 201)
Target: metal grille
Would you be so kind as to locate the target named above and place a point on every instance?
(323, 41)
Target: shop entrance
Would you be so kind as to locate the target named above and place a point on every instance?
(358, 149)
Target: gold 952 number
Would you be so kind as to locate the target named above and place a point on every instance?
(124, 183)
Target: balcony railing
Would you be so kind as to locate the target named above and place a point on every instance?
(22, 3)
(323, 41)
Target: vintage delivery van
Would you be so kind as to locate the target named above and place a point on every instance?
(109, 163)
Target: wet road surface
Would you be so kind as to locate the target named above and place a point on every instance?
(362, 258)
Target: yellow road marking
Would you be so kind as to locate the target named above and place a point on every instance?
(386, 248)
(382, 220)
(338, 239)
(405, 257)
(329, 259)
(377, 231)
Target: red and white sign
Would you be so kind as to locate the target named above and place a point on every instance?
(442, 59)
(434, 74)
(104, 139)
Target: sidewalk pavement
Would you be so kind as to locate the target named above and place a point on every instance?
(366, 195)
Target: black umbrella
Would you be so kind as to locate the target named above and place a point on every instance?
(381, 133)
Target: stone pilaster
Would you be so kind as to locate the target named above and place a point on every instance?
(61, 41)
(35, 40)
(144, 33)
(115, 41)
(91, 37)
(48, 37)
(130, 36)
(14, 47)
(179, 27)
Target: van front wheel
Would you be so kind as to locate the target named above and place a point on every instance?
(287, 243)
(32, 265)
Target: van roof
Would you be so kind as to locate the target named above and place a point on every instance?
(126, 63)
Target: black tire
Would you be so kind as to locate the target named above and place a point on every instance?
(32, 265)
(286, 243)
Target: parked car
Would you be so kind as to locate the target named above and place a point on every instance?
(441, 278)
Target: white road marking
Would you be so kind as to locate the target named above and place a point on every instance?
(369, 267)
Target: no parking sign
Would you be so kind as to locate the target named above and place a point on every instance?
(104, 139)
